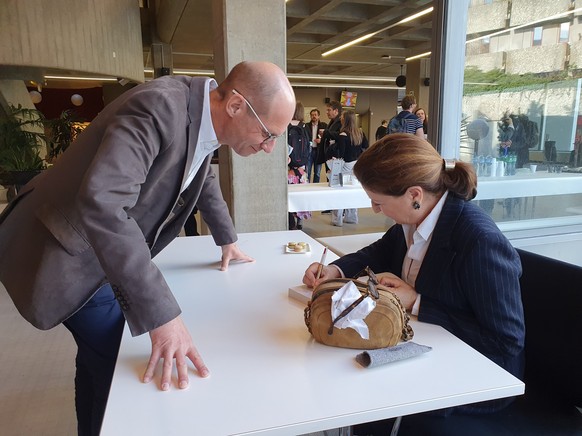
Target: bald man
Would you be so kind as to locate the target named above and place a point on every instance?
(76, 245)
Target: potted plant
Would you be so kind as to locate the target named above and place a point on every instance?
(21, 139)
(62, 131)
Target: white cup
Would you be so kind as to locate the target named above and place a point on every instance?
(533, 168)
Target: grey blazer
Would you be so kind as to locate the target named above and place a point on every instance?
(108, 206)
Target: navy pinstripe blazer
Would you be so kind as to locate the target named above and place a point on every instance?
(469, 280)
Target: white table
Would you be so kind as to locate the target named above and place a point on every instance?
(345, 244)
(319, 196)
(537, 184)
(267, 376)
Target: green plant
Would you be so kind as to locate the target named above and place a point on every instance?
(21, 139)
(62, 132)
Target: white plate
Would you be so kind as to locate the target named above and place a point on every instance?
(291, 251)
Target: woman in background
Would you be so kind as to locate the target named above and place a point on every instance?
(421, 114)
(299, 151)
(349, 146)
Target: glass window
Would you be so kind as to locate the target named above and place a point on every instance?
(564, 32)
(537, 36)
(521, 115)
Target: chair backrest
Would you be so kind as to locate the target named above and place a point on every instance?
(551, 291)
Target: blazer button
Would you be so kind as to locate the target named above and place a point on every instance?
(180, 202)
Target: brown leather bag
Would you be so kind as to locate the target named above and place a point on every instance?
(388, 323)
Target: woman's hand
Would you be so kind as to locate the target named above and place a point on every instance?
(403, 290)
(328, 272)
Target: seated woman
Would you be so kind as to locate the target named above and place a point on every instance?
(450, 263)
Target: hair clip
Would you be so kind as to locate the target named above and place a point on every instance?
(449, 164)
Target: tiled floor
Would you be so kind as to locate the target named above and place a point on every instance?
(36, 387)
(320, 226)
(37, 367)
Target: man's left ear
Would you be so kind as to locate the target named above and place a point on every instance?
(234, 105)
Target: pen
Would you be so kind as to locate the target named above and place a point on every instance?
(321, 264)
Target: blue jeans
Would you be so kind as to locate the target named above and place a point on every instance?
(311, 164)
(97, 328)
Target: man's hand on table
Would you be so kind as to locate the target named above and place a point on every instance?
(231, 252)
(172, 341)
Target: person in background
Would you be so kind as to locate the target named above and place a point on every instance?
(446, 259)
(349, 146)
(298, 140)
(406, 121)
(330, 134)
(423, 117)
(382, 130)
(313, 129)
(76, 245)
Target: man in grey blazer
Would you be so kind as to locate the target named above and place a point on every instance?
(76, 245)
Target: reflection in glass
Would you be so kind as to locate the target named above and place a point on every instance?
(523, 79)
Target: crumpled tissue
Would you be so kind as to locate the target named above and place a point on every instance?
(341, 299)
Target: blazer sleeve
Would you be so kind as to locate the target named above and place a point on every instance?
(384, 255)
(215, 211)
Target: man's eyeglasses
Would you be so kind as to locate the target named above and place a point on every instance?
(268, 135)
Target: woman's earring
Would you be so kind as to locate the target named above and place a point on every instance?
(416, 205)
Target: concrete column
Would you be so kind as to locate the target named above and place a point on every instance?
(161, 49)
(161, 59)
(85, 37)
(255, 188)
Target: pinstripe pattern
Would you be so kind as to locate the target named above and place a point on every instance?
(469, 280)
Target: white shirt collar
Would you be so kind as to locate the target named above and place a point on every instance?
(424, 231)
(207, 134)
(207, 139)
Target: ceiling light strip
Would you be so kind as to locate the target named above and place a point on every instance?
(343, 86)
(369, 35)
(94, 79)
(418, 56)
(334, 77)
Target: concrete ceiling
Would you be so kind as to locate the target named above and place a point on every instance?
(313, 26)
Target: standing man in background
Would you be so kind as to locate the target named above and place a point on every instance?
(313, 129)
(406, 121)
(76, 245)
(331, 133)
(382, 130)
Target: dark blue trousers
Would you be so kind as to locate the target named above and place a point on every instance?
(97, 328)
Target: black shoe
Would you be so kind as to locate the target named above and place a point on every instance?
(325, 212)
